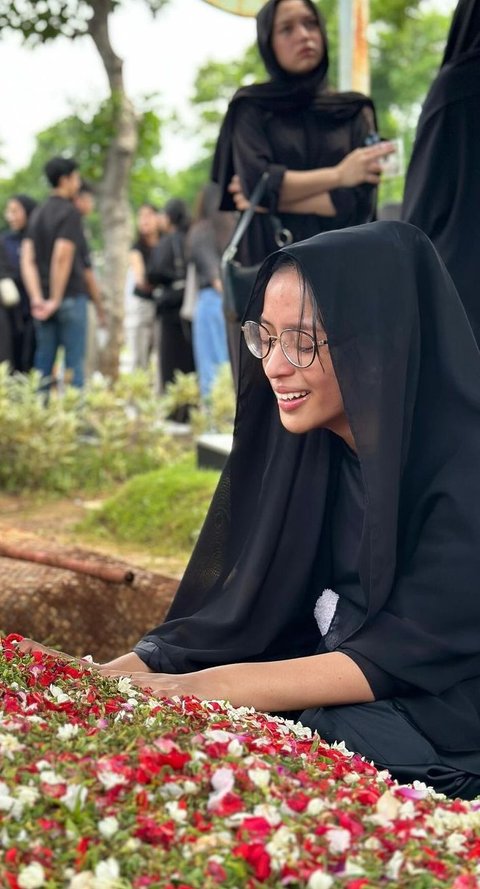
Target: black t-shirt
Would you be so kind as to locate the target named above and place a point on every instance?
(57, 218)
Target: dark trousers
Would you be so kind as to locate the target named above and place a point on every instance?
(382, 734)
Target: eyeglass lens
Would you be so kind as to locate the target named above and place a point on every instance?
(297, 346)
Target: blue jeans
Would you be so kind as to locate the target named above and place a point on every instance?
(209, 338)
(67, 327)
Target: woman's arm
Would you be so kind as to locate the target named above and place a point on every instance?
(137, 266)
(321, 680)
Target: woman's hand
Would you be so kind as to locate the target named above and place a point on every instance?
(205, 685)
(363, 165)
(27, 646)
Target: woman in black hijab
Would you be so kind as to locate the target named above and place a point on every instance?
(442, 190)
(311, 140)
(336, 576)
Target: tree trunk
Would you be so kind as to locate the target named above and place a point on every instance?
(114, 208)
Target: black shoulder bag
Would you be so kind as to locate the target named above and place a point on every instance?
(237, 279)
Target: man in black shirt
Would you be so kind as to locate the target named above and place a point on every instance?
(52, 268)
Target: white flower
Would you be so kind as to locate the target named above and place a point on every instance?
(218, 735)
(394, 866)
(125, 686)
(108, 826)
(283, 847)
(74, 796)
(259, 777)
(32, 876)
(338, 840)
(456, 843)
(176, 812)
(235, 748)
(110, 779)
(319, 880)
(315, 806)
(269, 812)
(58, 694)
(6, 800)
(27, 795)
(85, 880)
(222, 782)
(106, 874)
(9, 745)
(49, 777)
(67, 731)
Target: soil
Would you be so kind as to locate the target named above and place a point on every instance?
(54, 520)
(66, 607)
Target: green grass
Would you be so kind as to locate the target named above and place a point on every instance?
(162, 510)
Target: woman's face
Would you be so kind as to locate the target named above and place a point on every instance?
(310, 397)
(15, 215)
(147, 221)
(296, 38)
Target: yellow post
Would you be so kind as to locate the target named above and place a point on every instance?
(360, 60)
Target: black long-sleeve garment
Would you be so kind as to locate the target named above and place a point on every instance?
(442, 189)
(408, 368)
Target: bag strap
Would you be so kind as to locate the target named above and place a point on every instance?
(281, 234)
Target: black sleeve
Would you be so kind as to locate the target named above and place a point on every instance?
(161, 264)
(70, 228)
(357, 205)
(252, 155)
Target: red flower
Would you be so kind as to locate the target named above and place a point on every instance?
(155, 834)
(257, 857)
(216, 871)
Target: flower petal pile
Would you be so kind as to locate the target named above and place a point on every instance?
(104, 787)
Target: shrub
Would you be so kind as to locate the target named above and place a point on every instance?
(83, 439)
(163, 510)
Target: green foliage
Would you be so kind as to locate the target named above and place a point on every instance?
(143, 512)
(82, 440)
(217, 415)
(39, 21)
(86, 135)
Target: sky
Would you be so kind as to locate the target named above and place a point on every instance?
(161, 55)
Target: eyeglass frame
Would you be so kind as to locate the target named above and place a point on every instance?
(272, 340)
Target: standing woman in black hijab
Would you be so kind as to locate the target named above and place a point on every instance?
(442, 190)
(310, 139)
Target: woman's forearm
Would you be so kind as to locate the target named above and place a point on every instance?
(299, 185)
(318, 681)
(319, 204)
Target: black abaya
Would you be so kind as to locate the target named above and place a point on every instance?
(408, 369)
(442, 190)
(292, 122)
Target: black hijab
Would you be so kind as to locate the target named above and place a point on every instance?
(442, 186)
(284, 92)
(409, 373)
(464, 34)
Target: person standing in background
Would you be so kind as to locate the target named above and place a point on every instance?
(53, 272)
(17, 213)
(206, 242)
(85, 203)
(139, 321)
(166, 273)
(442, 187)
(311, 140)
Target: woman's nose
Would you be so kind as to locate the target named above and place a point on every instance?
(275, 364)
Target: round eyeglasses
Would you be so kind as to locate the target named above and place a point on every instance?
(298, 346)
